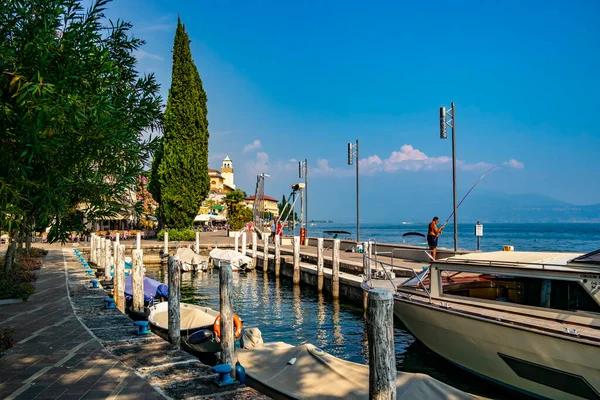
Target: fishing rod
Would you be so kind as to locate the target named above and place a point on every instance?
(470, 190)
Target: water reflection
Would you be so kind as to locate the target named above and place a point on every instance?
(298, 314)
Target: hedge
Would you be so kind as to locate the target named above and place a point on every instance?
(180, 235)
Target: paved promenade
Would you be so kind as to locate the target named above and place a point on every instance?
(54, 355)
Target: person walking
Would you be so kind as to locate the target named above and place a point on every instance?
(432, 235)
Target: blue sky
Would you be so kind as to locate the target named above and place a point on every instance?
(295, 80)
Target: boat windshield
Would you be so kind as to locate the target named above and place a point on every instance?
(531, 291)
(416, 282)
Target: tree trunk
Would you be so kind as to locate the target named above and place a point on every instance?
(10, 254)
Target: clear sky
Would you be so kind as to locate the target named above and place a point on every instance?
(295, 80)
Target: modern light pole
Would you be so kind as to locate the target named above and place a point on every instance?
(303, 172)
(447, 120)
(353, 153)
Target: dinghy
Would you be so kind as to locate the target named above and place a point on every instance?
(196, 324)
(307, 372)
(154, 291)
(237, 260)
(190, 261)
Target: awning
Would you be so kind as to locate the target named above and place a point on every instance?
(217, 208)
(202, 218)
(218, 218)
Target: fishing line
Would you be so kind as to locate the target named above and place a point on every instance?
(470, 190)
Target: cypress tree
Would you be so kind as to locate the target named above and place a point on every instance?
(183, 172)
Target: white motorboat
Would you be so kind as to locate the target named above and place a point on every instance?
(307, 372)
(528, 321)
(196, 326)
(237, 260)
(190, 261)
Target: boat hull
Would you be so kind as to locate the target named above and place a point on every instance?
(529, 361)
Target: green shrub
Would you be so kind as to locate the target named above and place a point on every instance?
(178, 235)
(6, 339)
(15, 290)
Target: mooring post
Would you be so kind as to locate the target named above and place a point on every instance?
(296, 260)
(92, 249)
(244, 244)
(107, 259)
(137, 280)
(320, 262)
(236, 241)
(138, 241)
(380, 334)
(102, 253)
(166, 249)
(197, 242)
(225, 295)
(277, 255)
(117, 240)
(99, 256)
(335, 270)
(254, 239)
(174, 310)
(119, 292)
(367, 269)
(265, 253)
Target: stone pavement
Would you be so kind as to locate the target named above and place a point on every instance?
(54, 355)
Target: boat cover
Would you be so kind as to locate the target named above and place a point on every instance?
(235, 258)
(191, 316)
(318, 375)
(188, 256)
(152, 289)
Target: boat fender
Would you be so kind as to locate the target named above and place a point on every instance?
(237, 322)
(240, 373)
(199, 337)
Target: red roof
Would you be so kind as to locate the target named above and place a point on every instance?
(251, 198)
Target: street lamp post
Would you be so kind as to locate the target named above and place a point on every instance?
(353, 153)
(447, 119)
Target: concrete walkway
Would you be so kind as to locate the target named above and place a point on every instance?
(54, 356)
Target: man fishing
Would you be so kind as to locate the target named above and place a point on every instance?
(432, 235)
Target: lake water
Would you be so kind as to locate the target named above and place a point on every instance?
(298, 315)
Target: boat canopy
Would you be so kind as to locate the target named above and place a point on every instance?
(188, 256)
(235, 258)
(152, 289)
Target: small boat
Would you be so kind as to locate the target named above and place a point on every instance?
(196, 324)
(154, 291)
(237, 260)
(529, 321)
(307, 372)
(190, 261)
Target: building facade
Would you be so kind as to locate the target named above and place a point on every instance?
(270, 205)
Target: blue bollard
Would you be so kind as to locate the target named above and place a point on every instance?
(94, 283)
(109, 302)
(224, 371)
(89, 272)
(142, 327)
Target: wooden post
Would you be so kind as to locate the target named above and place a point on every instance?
(166, 249)
(99, 258)
(265, 253)
(197, 242)
(174, 310)
(244, 244)
(296, 260)
(380, 334)
(320, 262)
(107, 259)
(119, 292)
(254, 239)
(236, 240)
(102, 253)
(367, 269)
(335, 270)
(137, 280)
(92, 249)
(117, 240)
(277, 255)
(138, 241)
(225, 295)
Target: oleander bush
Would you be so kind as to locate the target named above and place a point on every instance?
(6, 339)
(18, 282)
(179, 235)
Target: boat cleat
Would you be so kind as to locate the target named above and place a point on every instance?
(142, 327)
(94, 283)
(109, 302)
(224, 371)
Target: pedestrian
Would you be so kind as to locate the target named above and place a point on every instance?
(279, 230)
(432, 235)
(273, 230)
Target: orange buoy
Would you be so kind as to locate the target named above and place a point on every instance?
(237, 322)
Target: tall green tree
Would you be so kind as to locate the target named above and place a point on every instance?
(154, 186)
(237, 212)
(183, 172)
(72, 110)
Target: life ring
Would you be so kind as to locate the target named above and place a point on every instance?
(236, 321)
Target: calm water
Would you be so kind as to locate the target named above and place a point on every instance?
(298, 315)
(578, 237)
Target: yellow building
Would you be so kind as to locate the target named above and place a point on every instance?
(221, 183)
(270, 205)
